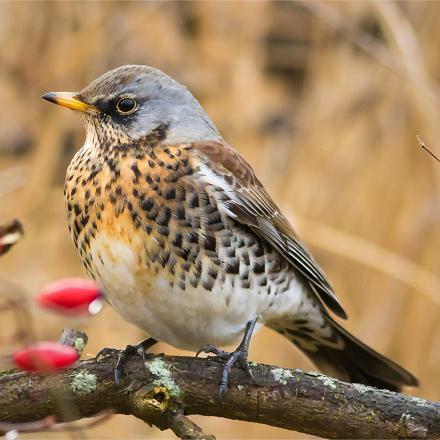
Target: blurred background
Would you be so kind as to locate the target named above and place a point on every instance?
(324, 99)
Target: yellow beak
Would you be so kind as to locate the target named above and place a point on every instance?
(69, 100)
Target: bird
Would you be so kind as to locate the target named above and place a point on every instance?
(185, 240)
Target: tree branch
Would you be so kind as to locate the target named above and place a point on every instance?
(167, 388)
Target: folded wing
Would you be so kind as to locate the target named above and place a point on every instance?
(250, 205)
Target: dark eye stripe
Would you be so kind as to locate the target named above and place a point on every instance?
(126, 106)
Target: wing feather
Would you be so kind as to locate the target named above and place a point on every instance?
(252, 206)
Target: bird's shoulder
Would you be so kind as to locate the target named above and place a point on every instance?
(221, 160)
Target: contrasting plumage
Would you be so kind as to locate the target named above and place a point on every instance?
(184, 238)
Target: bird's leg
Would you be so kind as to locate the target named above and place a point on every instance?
(230, 359)
(138, 349)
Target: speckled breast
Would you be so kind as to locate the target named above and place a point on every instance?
(140, 217)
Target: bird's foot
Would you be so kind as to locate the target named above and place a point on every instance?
(138, 349)
(238, 356)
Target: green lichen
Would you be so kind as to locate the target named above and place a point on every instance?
(160, 369)
(328, 382)
(79, 345)
(362, 388)
(7, 372)
(420, 402)
(281, 375)
(253, 364)
(83, 383)
(240, 387)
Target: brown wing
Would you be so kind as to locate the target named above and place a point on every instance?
(253, 207)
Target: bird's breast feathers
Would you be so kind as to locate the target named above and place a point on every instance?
(156, 230)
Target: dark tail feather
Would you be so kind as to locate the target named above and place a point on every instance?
(355, 361)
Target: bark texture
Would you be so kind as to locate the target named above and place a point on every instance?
(164, 389)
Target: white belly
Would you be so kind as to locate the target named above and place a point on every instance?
(189, 318)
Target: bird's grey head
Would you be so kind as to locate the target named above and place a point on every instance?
(131, 102)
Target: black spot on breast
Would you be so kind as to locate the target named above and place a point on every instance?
(164, 258)
(233, 266)
(136, 171)
(208, 284)
(92, 175)
(194, 281)
(177, 240)
(163, 230)
(136, 219)
(170, 194)
(213, 272)
(147, 204)
(193, 200)
(183, 253)
(259, 251)
(230, 252)
(84, 220)
(193, 237)
(153, 213)
(76, 228)
(262, 282)
(78, 209)
(258, 267)
(179, 212)
(185, 266)
(164, 216)
(245, 284)
(209, 243)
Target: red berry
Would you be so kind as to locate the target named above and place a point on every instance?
(71, 295)
(44, 357)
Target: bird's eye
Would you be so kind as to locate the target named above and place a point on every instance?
(125, 106)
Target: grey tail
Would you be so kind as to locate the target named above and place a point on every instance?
(339, 354)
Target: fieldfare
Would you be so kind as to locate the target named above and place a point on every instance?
(184, 238)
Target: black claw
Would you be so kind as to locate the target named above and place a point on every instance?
(230, 359)
(212, 349)
(103, 353)
(138, 349)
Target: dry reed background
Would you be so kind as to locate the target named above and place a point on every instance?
(324, 99)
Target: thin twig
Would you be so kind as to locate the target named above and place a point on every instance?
(185, 428)
(423, 145)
